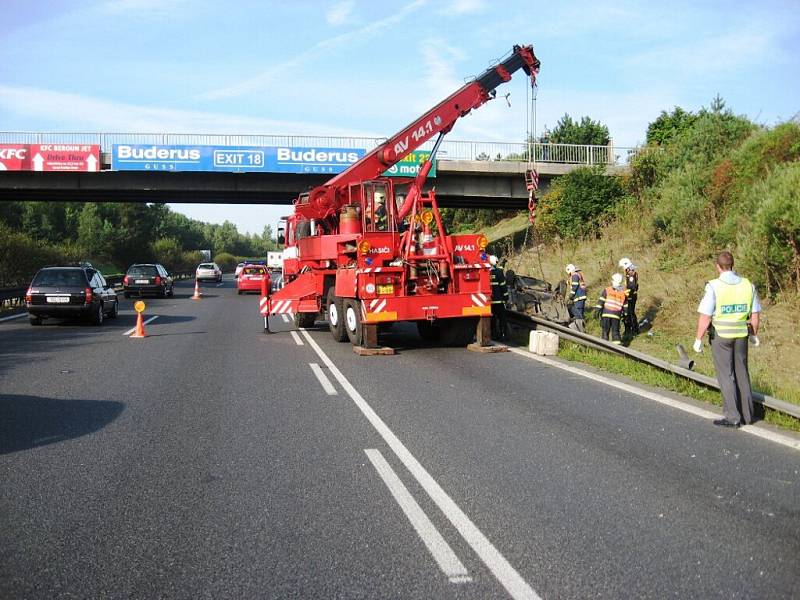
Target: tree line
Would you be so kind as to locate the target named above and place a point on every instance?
(112, 236)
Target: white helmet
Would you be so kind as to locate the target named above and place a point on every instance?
(493, 259)
(616, 279)
(571, 269)
(625, 263)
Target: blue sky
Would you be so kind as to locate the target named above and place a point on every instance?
(368, 68)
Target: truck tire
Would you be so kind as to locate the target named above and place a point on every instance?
(352, 321)
(335, 313)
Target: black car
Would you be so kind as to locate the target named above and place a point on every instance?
(150, 278)
(66, 292)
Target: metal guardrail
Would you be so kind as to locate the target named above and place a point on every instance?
(449, 150)
(585, 339)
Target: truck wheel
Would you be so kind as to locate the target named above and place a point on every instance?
(352, 322)
(336, 316)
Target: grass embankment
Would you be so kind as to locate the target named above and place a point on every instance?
(672, 277)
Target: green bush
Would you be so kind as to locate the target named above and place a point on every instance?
(770, 247)
(227, 262)
(580, 201)
(21, 256)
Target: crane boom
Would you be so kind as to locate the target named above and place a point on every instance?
(324, 200)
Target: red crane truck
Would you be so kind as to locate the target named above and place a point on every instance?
(368, 250)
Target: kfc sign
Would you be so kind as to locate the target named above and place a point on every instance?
(14, 157)
(49, 157)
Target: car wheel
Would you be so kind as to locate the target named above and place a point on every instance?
(239, 292)
(35, 321)
(172, 291)
(114, 311)
(335, 316)
(97, 317)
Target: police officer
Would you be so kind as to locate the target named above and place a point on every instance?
(576, 296)
(632, 289)
(731, 307)
(499, 299)
(611, 308)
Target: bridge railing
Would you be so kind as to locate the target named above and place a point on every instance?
(450, 149)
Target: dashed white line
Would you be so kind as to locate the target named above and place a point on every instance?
(323, 379)
(132, 329)
(697, 411)
(296, 338)
(508, 577)
(441, 551)
(13, 317)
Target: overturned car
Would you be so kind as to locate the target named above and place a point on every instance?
(536, 297)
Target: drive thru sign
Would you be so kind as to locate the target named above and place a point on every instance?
(65, 157)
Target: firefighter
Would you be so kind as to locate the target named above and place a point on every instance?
(632, 289)
(380, 212)
(576, 296)
(611, 308)
(499, 299)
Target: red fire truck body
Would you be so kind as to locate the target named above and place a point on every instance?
(369, 250)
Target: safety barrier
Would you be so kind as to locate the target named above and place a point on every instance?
(591, 341)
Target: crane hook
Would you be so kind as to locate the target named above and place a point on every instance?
(507, 100)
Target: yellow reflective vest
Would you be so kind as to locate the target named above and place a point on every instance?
(732, 311)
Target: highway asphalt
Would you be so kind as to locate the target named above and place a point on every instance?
(210, 460)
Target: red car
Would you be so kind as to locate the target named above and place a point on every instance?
(250, 278)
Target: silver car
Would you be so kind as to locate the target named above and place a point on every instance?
(209, 272)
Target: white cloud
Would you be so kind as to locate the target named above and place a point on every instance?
(267, 76)
(340, 13)
(464, 7)
(84, 113)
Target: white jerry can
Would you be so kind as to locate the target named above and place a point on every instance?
(543, 343)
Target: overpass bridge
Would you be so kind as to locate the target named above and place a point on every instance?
(468, 174)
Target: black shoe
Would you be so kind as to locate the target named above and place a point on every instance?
(726, 423)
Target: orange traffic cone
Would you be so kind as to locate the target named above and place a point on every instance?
(140, 332)
(197, 294)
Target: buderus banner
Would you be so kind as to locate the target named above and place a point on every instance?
(268, 159)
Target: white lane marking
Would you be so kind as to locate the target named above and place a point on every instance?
(441, 551)
(13, 317)
(323, 379)
(700, 412)
(297, 339)
(508, 577)
(132, 329)
(285, 317)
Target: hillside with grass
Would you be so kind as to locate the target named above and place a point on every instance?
(705, 182)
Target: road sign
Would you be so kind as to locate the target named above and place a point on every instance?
(65, 157)
(14, 157)
(410, 165)
(139, 306)
(271, 159)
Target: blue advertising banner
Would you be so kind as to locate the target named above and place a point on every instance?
(270, 159)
